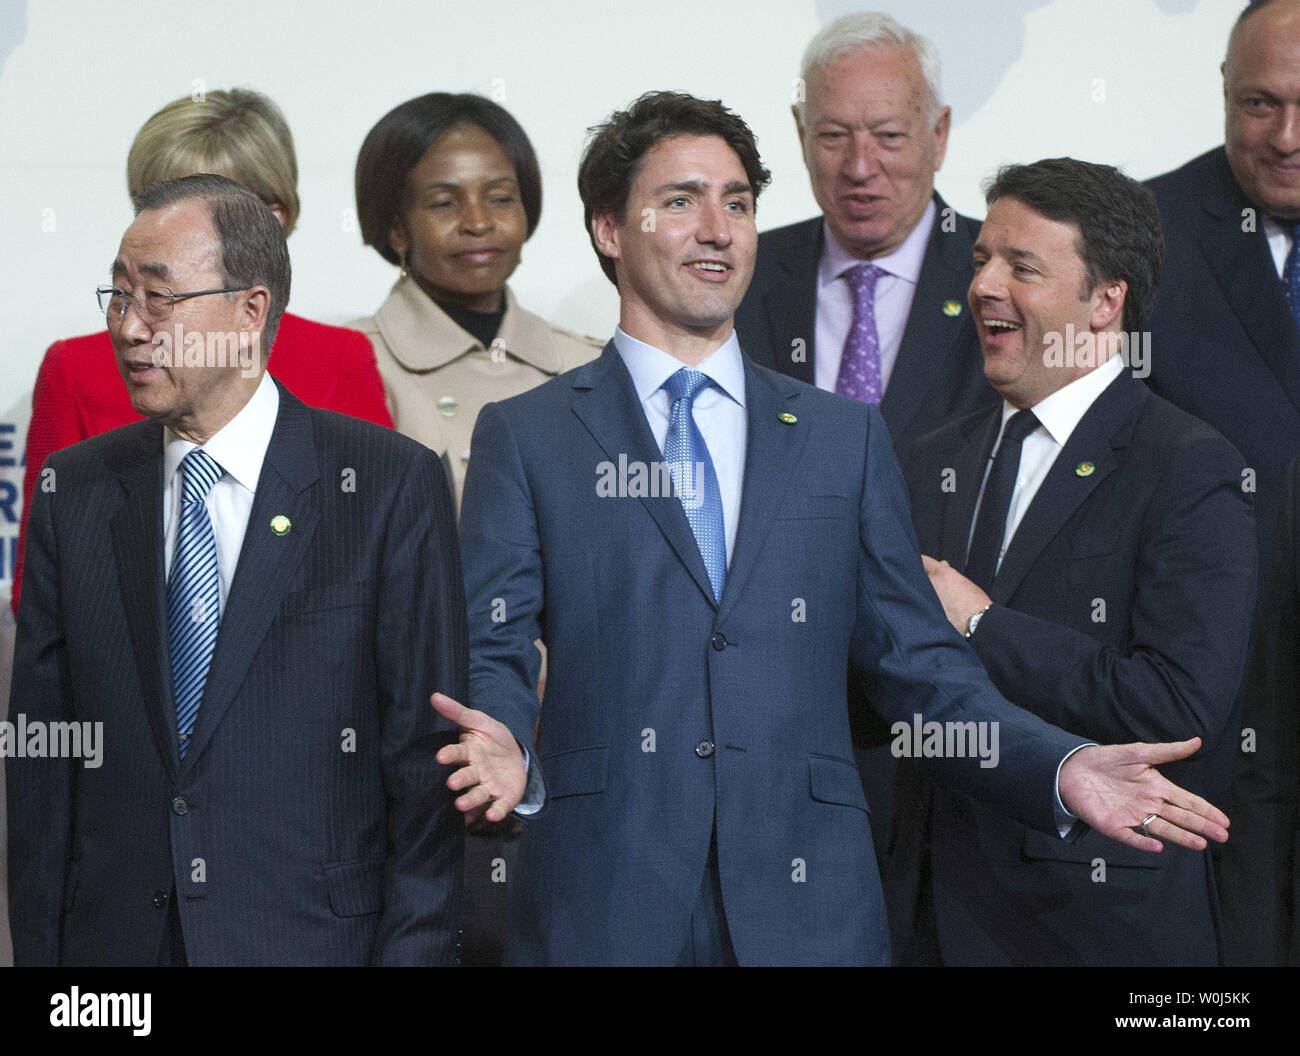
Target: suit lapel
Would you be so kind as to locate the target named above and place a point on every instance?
(932, 340)
(969, 471)
(790, 305)
(1103, 430)
(1243, 267)
(605, 400)
(772, 448)
(136, 530)
(267, 563)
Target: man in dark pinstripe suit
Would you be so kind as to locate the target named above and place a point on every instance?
(253, 601)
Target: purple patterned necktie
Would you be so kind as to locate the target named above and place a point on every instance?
(859, 377)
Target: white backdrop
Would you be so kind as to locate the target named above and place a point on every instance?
(1129, 82)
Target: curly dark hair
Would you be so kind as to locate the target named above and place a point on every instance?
(1118, 221)
(613, 156)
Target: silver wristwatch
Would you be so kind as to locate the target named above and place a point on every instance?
(975, 620)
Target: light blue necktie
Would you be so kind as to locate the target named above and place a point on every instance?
(694, 479)
(193, 592)
(859, 376)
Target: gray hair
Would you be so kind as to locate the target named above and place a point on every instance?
(253, 249)
(866, 29)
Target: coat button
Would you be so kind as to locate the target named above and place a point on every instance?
(160, 899)
(719, 641)
(704, 749)
(179, 807)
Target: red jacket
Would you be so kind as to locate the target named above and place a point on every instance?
(79, 392)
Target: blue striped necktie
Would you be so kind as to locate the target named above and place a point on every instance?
(193, 593)
(693, 475)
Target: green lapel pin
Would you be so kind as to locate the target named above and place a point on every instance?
(280, 524)
(1084, 469)
(952, 308)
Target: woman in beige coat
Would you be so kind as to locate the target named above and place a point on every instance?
(448, 189)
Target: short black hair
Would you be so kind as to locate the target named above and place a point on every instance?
(613, 156)
(253, 249)
(1117, 217)
(397, 143)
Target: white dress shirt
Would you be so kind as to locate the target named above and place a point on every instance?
(892, 300)
(1279, 243)
(719, 411)
(1057, 415)
(239, 448)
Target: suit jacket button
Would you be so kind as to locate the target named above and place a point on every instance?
(160, 899)
(719, 641)
(704, 749)
(180, 807)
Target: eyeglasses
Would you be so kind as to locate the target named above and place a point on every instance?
(157, 304)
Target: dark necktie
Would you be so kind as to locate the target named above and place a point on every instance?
(991, 520)
(1291, 270)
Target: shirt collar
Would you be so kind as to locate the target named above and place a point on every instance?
(421, 336)
(904, 262)
(650, 367)
(1060, 412)
(239, 446)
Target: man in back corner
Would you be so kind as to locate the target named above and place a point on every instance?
(693, 767)
(244, 602)
(1225, 336)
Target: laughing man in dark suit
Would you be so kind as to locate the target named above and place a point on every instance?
(1107, 560)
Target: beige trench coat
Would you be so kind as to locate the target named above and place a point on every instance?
(437, 377)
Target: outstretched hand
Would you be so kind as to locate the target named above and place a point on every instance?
(1115, 787)
(491, 765)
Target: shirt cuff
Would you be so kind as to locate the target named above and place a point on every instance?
(535, 789)
(1066, 822)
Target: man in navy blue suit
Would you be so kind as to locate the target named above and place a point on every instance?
(243, 602)
(706, 547)
(1224, 335)
(1107, 580)
(1225, 345)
